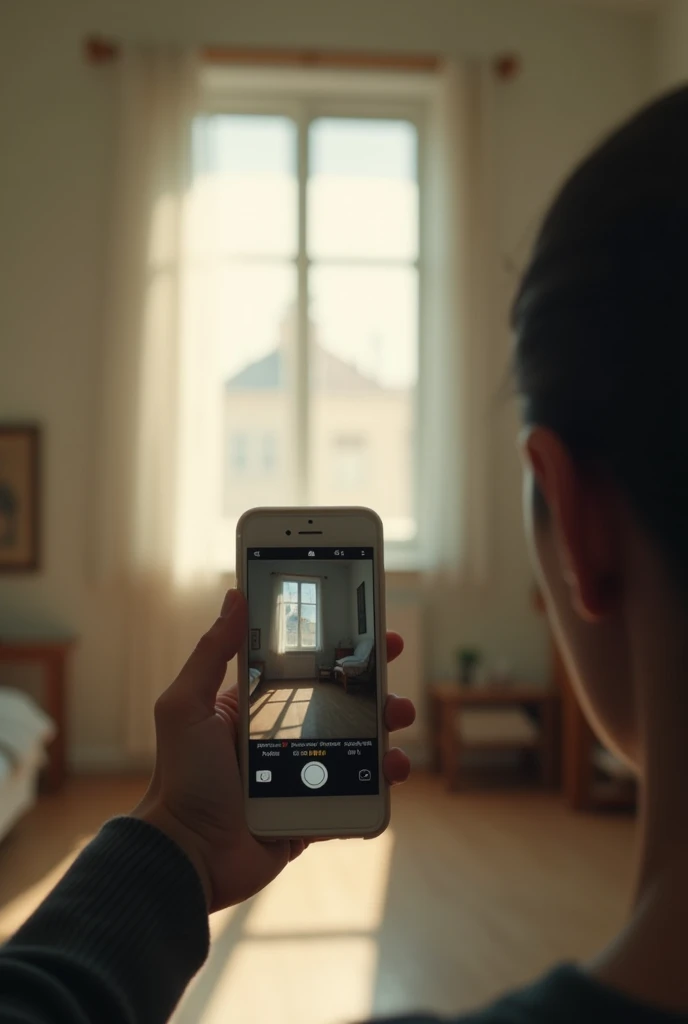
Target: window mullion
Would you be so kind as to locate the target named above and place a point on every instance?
(298, 614)
(301, 374)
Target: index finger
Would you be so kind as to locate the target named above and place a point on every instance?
(395, 646)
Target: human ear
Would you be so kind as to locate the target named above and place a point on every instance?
(582, 520)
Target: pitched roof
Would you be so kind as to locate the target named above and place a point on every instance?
(330, 373)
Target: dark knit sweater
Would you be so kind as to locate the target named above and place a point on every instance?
(120, 937)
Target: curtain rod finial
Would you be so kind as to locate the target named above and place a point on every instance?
(98, 50)
(507, 66)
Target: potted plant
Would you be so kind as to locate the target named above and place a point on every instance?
(468, 660)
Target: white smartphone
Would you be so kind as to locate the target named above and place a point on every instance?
(313, 672)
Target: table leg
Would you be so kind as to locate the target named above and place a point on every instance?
(549, 745)
(450, 747)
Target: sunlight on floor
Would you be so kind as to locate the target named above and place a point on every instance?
(305, 901)
(304, 950)
(306, 980)
(15, 912)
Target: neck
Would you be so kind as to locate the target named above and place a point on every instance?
(648, 960)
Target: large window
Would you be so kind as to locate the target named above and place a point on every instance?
(309, 209)
(300, 610)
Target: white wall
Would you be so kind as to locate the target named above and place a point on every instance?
(582, 70)
(672, 44)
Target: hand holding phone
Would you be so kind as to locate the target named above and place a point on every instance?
(195, 795)
(313, 678)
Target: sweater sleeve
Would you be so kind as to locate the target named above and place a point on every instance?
(118, 939)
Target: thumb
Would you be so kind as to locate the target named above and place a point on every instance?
(204, 671)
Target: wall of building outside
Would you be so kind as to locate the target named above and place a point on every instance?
(384, 421)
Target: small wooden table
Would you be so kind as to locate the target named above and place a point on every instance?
(50, 654)
(449, 699)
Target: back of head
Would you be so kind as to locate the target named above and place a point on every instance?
(601, 319)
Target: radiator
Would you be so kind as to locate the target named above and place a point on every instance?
(291, 666)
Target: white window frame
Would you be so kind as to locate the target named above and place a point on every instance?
(304, 95)
(300, 649)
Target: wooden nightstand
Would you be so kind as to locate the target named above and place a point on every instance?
(449, 700)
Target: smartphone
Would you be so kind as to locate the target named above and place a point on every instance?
(313, 672)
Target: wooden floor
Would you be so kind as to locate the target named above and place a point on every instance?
(305, 709)
(462, 897)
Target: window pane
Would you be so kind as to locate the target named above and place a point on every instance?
(238, 453)
(291, 622)
(245, 185)
(290, 591)
(269, 452)
(250, 309)
(308, 620)
(362, 190)
(349, 464)
(308, 593)
(363, 376)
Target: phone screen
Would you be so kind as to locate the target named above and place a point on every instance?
(313, 715)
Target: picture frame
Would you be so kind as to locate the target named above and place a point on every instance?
(20, 498)
(361, 605)
(255, 639)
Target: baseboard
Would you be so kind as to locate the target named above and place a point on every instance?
(107, 761)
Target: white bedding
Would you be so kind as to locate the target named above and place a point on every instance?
(23, 725)
(24, 732)
(254, 677)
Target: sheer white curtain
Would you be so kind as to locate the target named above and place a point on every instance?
(278, 622)
(157, 457)
(319, 642)
(459, 267)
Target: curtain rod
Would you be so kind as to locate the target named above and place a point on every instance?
(99, 50)
(299, 576)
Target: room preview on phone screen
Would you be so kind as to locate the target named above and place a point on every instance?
(312, 672)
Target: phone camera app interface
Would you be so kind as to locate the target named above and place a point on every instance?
(312, 672)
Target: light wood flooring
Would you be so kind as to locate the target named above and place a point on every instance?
(464, 896)
(305, 709)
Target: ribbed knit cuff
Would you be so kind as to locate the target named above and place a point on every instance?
(131, 911)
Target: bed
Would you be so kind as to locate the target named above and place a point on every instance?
(256, 672)
(25, 730)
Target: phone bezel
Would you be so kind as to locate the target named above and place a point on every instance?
(316, 816)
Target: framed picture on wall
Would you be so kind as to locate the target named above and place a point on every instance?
(19, 498)
(255, 639)
(362, 617)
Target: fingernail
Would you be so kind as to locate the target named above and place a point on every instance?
(229, 603)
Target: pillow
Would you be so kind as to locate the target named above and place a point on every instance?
(22, 723)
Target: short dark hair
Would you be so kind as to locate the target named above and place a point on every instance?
(601, 318)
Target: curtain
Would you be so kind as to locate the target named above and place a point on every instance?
(157, 456)
(278, 622)
(459, 262)
(318, 616)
